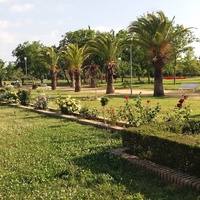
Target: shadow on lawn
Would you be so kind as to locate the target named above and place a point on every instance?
(121, 172)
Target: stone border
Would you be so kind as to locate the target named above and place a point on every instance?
(166, 173)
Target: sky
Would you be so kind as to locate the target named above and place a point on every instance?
(48, 20)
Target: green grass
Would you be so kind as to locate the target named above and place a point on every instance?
(43, 157)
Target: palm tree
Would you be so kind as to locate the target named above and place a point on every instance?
(92, 71)
(76, 56)
(51, 56)
(155, 34)
(108, 47)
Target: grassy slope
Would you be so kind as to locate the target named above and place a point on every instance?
(43, 157)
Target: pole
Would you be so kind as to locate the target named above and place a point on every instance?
(25, 58)
(131, 71)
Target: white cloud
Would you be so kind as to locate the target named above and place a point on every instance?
(22, 8)
(4, 24)
(2, 1)
(6, 37)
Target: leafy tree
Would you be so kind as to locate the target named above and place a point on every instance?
(154, 32)
(2, 71)
(191, 65)
(108, 47)
(75, 57)
(180, 46)
(34, 64)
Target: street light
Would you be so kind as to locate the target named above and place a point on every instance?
(25, 59)
(131, 69)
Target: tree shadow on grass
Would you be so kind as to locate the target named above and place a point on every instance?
(122, 172)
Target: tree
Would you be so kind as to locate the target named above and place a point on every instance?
(92, 71)
(180, 46)
(36, 68)
(50, 55)
(108, 47)
(2, 71)
(76, 56)
(155, 33)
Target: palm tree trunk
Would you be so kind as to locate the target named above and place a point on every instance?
(77, 75)
(54, 74)
(71, 76)
(93, 82)
(158, 82)
(110, 82)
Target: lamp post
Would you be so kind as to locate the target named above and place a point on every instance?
(25, 59)
(131, 69)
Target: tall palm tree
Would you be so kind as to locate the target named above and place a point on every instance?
(155, 34)
(108, 46)
(76, 56)
(51, 56)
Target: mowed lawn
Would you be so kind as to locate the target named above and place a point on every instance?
(44, 157)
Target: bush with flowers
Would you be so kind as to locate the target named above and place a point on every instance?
(8, 94)
(41, 102)
(137, 114)
(179, 118)
(68, 105)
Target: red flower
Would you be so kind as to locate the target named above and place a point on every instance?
(148, 101)
(181, 100)
(126, 97)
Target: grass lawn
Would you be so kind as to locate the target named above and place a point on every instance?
(43, 157)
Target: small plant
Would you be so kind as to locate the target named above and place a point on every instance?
(125, 84)
(68, 105)
(42, 102)
(181, 112)
(179, 118)
(112, 115)
(24, 96)
(104, 101)
(88, 113)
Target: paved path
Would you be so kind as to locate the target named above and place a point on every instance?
(144, 92)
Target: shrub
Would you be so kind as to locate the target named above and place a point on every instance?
(68, 105)
(88, 113)
(138, 114)
(24, 96)
(42, 102)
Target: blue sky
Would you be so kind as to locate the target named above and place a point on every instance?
(47, 20)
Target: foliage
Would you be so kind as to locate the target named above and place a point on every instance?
(89, 113)
(179, 117)
(138, 114)
(51, 158)
(126, 84)
(155, 33)
(24, 96)
(177, 151)
(104, 101)
(113, 116)
(8, 94)
(41, 102)
(68, 105)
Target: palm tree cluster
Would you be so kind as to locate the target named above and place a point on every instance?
(153, 34)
